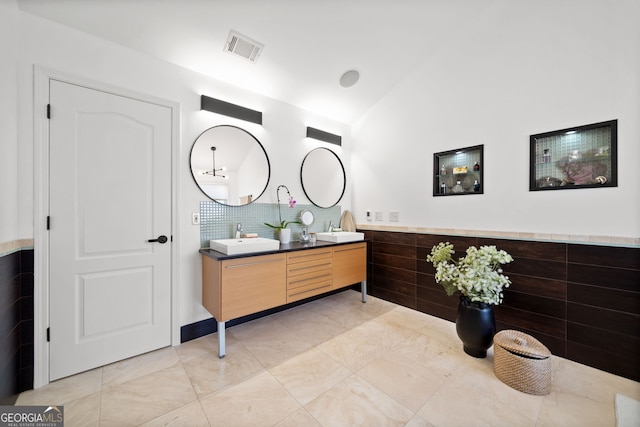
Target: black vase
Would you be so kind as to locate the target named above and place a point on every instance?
(476, 326)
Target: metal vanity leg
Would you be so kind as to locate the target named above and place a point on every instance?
(363, 288)
(221, 340)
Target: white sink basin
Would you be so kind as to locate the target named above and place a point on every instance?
(244, 245)
(340, 236)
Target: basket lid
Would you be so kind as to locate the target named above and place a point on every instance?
(520, 343)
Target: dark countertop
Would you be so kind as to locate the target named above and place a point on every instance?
(291, 247)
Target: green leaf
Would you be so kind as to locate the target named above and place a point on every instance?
(282, 225)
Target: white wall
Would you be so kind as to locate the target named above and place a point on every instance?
(545, 66)
(283, 133)
(8, 123)
(546, 70)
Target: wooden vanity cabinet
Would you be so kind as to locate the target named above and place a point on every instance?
(309, 273)
(237, 287)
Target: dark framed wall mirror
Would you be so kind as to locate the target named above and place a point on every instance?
(230, 165)
(323, 177)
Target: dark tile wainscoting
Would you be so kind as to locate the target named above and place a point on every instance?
(16, 324)
(582, 301)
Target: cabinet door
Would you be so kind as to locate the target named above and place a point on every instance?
(252, 284)
(349, 264)
(309, 273)
(211, 290)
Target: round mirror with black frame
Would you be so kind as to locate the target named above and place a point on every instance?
(323, 177)
(230, 165)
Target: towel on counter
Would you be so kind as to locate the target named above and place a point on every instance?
(346, 222)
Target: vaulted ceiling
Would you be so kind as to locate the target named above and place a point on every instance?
(308, 44)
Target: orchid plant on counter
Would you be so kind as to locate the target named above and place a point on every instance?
(292, 204)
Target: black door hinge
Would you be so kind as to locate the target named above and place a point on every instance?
(48, 223)
(48, 334)
(48, 111)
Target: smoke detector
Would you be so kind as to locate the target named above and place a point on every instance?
(243, 46)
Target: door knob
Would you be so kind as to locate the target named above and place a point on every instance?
(161, 239)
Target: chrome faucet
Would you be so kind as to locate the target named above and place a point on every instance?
(238, 231)
(330, 228)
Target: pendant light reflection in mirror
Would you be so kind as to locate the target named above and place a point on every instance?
(230, 165)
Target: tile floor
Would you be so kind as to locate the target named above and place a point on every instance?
(331, 362)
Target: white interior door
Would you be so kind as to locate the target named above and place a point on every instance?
(110, 193)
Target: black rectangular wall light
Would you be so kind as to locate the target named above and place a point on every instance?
(228, 109)
(323, 136)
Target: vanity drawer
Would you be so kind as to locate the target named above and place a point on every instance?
(309, 266)
(311, 255)
(306, 286)
(309, 273)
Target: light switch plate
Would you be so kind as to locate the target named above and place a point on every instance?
(378, 216)
(394, 216)
(195, 218)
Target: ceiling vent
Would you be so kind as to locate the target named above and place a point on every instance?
(243, 46)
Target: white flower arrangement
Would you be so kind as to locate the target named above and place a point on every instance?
(477, 275)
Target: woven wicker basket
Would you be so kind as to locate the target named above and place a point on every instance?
(522, 362)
